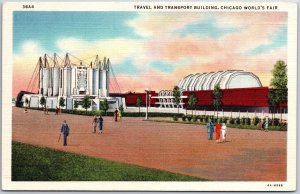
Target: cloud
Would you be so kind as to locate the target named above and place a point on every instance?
(149, 24)
(118, 49)
(24, 64)
(152, 79)
(140, 60)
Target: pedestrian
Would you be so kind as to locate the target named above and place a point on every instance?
(119, 115)
(95, 123)
(223, 132)
(56, 111)
(212, 126)
(116, 115)
(266, 124)
(100, 124)
(262, 124)
(47, 110)
(210, 129)
(218, 130)
(25, 111)
(65, 131)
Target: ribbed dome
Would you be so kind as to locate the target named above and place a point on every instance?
(226, 79)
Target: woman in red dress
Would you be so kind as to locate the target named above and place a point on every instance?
(218, 131)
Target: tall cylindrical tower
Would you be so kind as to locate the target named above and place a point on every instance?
(56, 78)
(89, 81)
(69, 81)
(95, 81)
(46, 74)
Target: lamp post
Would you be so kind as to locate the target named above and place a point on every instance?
(149, 101)
(146, 90)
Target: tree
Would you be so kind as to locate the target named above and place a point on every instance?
(61, 102)
(279, 84)
(273, 101)
(104, 105)
(217, 95)
(192, 102)
(177, 96)
(43, 101)
(121, 109)
(75, 104)
(139, 103)
(86, 102)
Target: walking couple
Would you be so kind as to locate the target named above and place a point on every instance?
(100, 124)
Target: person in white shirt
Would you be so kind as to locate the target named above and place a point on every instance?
(223, 132)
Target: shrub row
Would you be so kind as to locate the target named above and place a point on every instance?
(273, 128)
(228, 120)
(125, 114)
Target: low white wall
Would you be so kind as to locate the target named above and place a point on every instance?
(202, 112)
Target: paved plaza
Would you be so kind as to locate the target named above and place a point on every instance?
(249, 155)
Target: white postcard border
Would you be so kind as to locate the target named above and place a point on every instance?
(7, 73)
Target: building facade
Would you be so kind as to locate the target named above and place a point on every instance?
(71, 81)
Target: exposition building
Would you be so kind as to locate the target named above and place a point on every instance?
(53, 80)
(70, 81)
(241, 91)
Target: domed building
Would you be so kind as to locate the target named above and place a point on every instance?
(233, 83)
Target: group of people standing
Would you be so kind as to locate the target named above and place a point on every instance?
(117, 114)
(65, 130)
(100, 124)
(97, 121)
(221, 132)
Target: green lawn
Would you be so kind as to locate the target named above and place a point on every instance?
(31, 163)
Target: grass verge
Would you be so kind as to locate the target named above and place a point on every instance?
(31, 163)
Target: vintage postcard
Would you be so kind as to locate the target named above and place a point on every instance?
(149, 96)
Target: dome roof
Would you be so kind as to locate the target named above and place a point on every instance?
(226, 79)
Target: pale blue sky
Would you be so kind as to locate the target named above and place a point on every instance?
(150, 45)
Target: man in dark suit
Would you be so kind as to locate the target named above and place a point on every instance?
(65, 131)
(100, 124)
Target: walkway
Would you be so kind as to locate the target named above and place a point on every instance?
(250, 155)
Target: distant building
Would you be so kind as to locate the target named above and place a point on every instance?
(207, 81)
(72, 82)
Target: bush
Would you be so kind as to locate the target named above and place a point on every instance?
(183, 118)
(231, 121)
(256, 120)
(269, 121)
(242, 121)
(202, 118)
(213, 119)
(175, 118)
(189, 117)
(248, 121)
(225, 119)
(206, 117)
(221, 119)
(238, 120)
(276, 121)
(195, 118)
(125, 114)
(245, 121)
